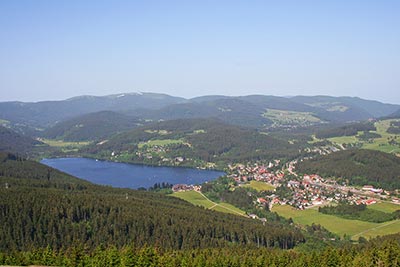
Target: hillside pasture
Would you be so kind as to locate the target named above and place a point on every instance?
(380, 143)
(160, 142)
(285, 117)
(259, 186)
(198, 199)
(64, 146)
(337, 225)
(385, 207)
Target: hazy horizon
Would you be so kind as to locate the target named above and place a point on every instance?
(188, 98)
(54, 50)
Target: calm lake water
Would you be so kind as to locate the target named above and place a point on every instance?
(129, 175)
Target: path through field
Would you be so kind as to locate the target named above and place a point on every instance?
(221, 206)
(375, 228)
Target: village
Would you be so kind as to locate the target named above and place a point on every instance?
(299, 191)
(305, 191)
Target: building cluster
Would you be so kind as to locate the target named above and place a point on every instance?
(244, 173)
(185, 187)
(301, 192)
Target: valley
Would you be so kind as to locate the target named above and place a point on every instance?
(290, 167)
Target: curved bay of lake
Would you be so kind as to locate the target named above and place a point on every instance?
(126, 175)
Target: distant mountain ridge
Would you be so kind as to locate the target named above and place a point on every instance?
(395, 114)
(46, 113)
(92, 126)
(246, 111)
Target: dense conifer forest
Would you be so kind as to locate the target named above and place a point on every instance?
(346, 130)
(384, 251)
(358, 167)
(40, 207)
(15, 142)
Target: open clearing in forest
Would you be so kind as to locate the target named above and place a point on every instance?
(337, 225)
(285, 117)
(64, 146)
(160, 142)
(259, 186)
(60, 143)
(198, 199)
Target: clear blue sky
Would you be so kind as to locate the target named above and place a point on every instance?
(59, 49)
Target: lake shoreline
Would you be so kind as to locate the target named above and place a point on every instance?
(129, 175)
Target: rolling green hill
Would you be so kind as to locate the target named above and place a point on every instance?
(348, 108)
(92, 126)
(42, 207)
(358, 166)
(250, 110)
(30, 118)
(47, 113)
(395, 114)
(382, 135)
(229, 110)
(191, 142)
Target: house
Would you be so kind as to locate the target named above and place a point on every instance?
(367, 187)
(370, 202)
(262, 201)
(181, 187)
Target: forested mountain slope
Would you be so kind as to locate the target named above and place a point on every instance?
(196, 141)
(40, 207)
(358, 166)
(362, 109)
(92, 126)
(241, 110)
(14, 142)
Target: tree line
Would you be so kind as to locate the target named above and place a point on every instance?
(384, 251)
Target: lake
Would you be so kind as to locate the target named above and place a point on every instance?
(129, 175)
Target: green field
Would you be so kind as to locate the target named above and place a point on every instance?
(385, 207)
(64, 146)
(60, 143)
(340, 226)
(195, 198)
(285, 117)
(259, 186)
(344, 139)
(161, 142)
(198, 199)
(380, 143)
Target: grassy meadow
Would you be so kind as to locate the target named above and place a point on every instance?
(160, 142)
(283, 117)
(380, 144)
(198, 199)
(337, 225)
(259, 186)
